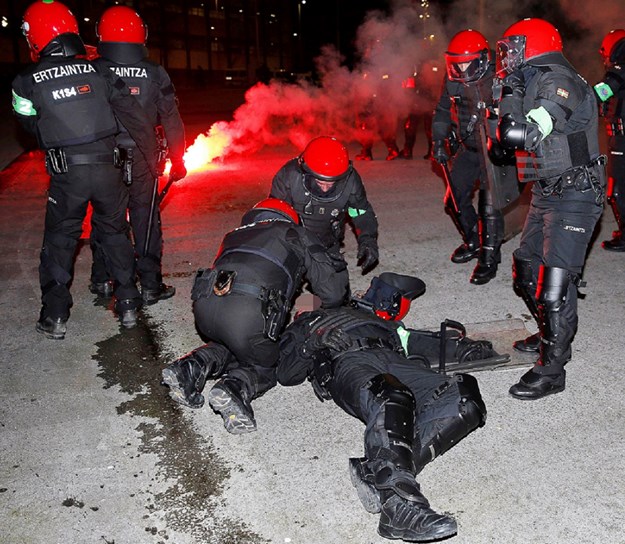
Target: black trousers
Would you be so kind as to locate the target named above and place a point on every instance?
(236, 321)
(616, 172)
(140, 197)
(557, 232)
(68, 197)
(356, 369)
(465, 172)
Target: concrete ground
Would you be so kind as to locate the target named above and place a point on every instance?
(94, 451)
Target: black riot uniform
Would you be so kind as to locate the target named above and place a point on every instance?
(548, 113)
(611, 93)
(379, 372)
(71, 105)
(457, 113)
(152, 87)
(241, 305)
(326, 213)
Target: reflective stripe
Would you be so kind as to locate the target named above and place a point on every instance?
(604, 91)
(23, 106)
(353, 212)
(541, 117)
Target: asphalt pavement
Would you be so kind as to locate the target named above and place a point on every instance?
(94, 451)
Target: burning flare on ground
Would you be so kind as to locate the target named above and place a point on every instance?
(211, 145)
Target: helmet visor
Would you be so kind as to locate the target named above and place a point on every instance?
(465, 68)
(510, 54)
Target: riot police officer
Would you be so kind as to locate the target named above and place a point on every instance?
(375, 369)
(325, 190)
(548, 114)
(72, 106)
(467, 90)
(611, 94)
(122, 35)
(241, 305)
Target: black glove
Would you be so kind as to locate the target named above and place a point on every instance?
(368, 253)
(439, 151)
(178, 171)
(332, 338)
(515, 80)
(500, 155)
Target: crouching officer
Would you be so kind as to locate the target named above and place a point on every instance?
(122, 35)
(72, 106)
(326, 191)
(375, 369)
(242, 304)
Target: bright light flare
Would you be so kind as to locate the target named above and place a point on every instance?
(207, 147)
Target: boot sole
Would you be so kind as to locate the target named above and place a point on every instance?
(368, 495)
(551, 392)
(409, 536)
(50, 335)
(235, 419)
(176, 392)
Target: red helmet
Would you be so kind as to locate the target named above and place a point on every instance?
(390, 294)
(325, 158)
(467, 56)
(121, 24)
(274, 206)
(608, 43)
(525, 40)
(45, 20)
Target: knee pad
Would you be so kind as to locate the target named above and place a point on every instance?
(461, 410)
(523, 274)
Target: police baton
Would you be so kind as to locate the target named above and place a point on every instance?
(162, 194)
(153, 203)
(447, 176)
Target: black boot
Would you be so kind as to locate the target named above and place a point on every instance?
(617, 243)
(413, 520)
(524, 283)
(52, 327)
(362, 479)
(548, 376)
(152, 296)
(533, 386)
(470, 249)
(102, 289)
(230, 399)
(491, 238)
(186, 378)
(127, 311)
(531, 344)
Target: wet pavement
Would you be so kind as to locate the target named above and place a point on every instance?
(95, 451)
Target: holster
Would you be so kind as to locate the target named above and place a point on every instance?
(322, 374)
(275, 311)
(123, 157)
(56, 161)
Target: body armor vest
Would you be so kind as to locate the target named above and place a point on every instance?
(325, 216)
(71, 100)
(573, 145)
(142, 80)
(261, 240)
(469, 102)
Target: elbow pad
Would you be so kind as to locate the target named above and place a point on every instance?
(510, 133)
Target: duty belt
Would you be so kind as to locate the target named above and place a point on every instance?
(370, 342)
(99, 158)
(581, 178)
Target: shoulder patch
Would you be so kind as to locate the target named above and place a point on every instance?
(562, 92)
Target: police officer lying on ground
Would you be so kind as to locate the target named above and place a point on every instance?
(324, 188)
(241, 305)
(375, 369)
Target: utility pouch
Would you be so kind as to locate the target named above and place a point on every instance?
(223, 282)
(203, 283)
(275, 311)
(56, 161)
